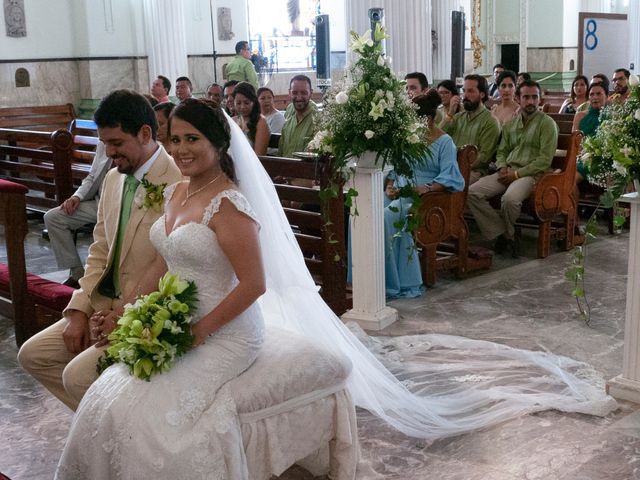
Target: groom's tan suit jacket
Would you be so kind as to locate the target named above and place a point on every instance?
(136, 253)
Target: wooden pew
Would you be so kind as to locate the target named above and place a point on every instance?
(442, 215)
(561, 117)
(319, 226)
(41, 118)
(49, 170)
(31, 301)
(553, 198)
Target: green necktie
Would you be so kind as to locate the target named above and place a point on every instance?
(111, 284)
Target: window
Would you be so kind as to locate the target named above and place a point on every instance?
(282, 34)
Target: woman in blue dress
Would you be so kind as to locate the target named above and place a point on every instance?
(438, 171)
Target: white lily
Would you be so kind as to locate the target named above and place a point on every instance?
(369, 134)
(380, 61)
(619, 167)
(626, 151)
(634, 80)
(359, 42)
(636, 115)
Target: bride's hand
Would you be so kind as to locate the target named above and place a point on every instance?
(199, 335)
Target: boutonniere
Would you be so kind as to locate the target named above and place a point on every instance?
(150, 195)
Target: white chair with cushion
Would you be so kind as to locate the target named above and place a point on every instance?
(293, 407)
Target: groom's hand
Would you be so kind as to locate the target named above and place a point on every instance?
(76, 333)
(102, 324)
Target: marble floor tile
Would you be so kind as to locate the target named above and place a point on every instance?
(523, 303)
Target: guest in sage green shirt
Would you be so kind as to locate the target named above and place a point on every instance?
(526, 150)
(300, 117)
(475, 125)
(240, 68)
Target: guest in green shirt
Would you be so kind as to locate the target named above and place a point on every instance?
(300, 117)
(475, 125)
(240, 68)
(525, 152)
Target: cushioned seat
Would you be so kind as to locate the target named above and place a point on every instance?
(45, 292)
(293, 408)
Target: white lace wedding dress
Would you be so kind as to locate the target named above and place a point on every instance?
(183, 423)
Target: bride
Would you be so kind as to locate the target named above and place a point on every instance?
(219, 233)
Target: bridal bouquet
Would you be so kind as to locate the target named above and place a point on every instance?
(154, 331)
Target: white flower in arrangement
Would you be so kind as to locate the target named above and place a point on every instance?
(413, 127)
(633, 80)
(626, 151)
(316, 142)
(413, 138)
(380, 61)
(369, 134)
(379, 93)
(377, 110)
(387, 60)
(637, 114)
(586, 156)
(359, 42)
(342, 98)
(619, 167)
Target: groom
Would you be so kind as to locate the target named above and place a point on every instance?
(62, 357)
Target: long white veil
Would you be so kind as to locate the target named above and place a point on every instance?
(441, 385)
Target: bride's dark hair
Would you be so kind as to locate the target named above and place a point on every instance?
(209, 119)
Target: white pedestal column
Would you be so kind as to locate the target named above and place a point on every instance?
(367, 250)
(627, 385)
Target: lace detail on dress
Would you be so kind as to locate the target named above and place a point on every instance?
(169, 191)
(235, 197)
(192, 404)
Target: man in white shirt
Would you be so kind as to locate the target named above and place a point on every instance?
(78, 210)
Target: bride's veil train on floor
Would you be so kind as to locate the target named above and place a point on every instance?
(427, 386)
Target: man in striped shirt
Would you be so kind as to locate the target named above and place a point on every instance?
(525, 152)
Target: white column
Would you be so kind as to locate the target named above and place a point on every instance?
(367, 250)
(633, 20)
(165, 38)
(627, 385)
(408, 23)
(441, 24)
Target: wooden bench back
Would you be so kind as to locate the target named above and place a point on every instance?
(561, 117)
(47, 172)
(41, 118)
(15, 303)
(318, 225)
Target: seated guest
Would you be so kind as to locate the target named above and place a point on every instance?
(417, 84)
(152, 101)
(160, 89)
(274, 118)
(494, 91)
(526, 150)
(184, 88)
(78, 210)
(451, 101)
(522, 76)
(475, 125)
(214, 93)
(162, 111)
(578, 95)
(588, 121)
(620, 82)
(227, 96)
(508, 107)
(249, 119)
(437, 172)
(300, 118)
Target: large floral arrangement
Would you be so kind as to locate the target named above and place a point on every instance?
(370, 112)
(154, 331)
(613, 153)
(613, 158)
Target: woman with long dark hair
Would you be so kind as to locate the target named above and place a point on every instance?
(249, 119)
(578, 95)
